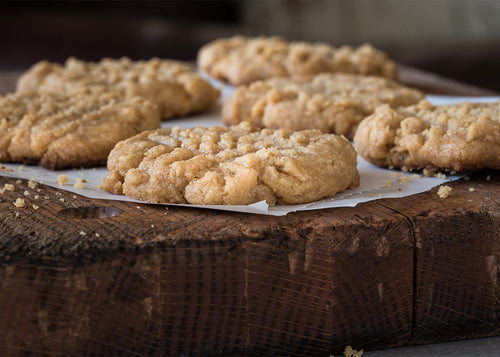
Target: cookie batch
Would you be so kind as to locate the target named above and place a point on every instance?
(290, 120)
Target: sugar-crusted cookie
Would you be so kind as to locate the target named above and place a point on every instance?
(241, 60)
(331, 102)
(59, 131)
(425, 137)
(234, 165)
(173, 85)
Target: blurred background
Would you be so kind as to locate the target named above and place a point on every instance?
(459, 39)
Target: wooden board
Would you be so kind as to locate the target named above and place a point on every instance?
(88, 277)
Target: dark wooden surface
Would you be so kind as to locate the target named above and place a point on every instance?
(88, 277)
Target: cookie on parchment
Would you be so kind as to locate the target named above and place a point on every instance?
(240, 60)
(59, 131)
(330, 102)
(464, 136)
(173, 85)
(234, 165)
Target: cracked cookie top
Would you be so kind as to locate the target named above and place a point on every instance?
(173, 85)
(234, 165)
(458, 137)
(59, 131)
(241, 60)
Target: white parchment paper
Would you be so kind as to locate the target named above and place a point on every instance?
(375, 182)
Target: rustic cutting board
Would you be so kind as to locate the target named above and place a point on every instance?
(87, 277)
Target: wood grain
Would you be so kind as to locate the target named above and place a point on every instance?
(80, 276)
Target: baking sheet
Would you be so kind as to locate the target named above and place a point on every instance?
(375, 182)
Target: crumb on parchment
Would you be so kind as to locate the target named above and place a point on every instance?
(350, 352)
(79, 183)
(62, 179)
(444, 191)
(5, 168)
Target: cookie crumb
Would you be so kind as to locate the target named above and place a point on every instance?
(32, 184)
(20, 168)
(472, 189)
(82, 233)
(61, 199)
(62, 179)
(17, 214)
(427, 173)
(405, 179)
(444, 191)
(350, 352)
(5, 169)
(388, 184)
(97, 235)
(440, 175)
(79, 183)
(415, 176)
(19, 182)
(35, 207)
(26, 193)
(36, 197)
(8, 187)
(19, 203)
(488, 178)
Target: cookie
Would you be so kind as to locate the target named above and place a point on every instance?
(59, 131)
(235, 165)
(330, 102)
(464, 136)
(240, 60)
(174, 86)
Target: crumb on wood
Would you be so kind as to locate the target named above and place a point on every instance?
(444, 191)
(32, 184)
(8, 187)
(472, 189)
(35, 207)
(19, 203)
(19, 182)
(488, 178)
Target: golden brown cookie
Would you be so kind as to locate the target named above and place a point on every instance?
(60, 131)
(174, 86)
(330, 102)
(450, 137)
(241, 60)
(235, 165)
